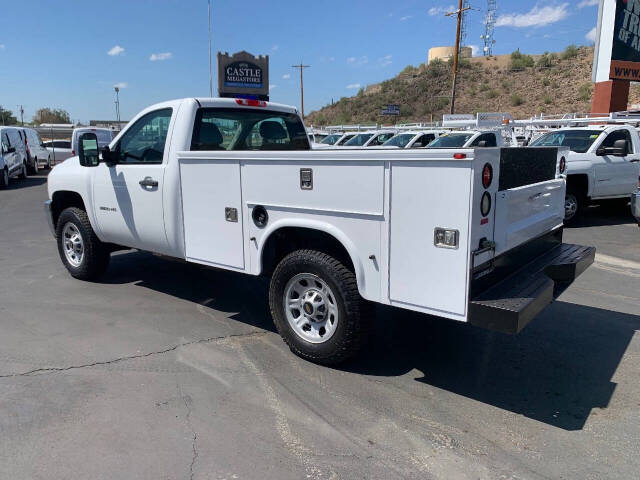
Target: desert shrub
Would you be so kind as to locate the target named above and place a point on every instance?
(546, 82)
(544, 61)
(570, 52)
(547, 99)
(492, 94)
(520, 61)
(584, 92)
(516, 100)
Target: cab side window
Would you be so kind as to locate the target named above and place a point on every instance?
(6, 144)
(619, 135)
(424, 140)
(144, 142)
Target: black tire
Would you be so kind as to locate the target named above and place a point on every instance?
(573, 197)
(355, 313)
(34, 169)
(96, 256)
(23, 172)
(4, 178)
(48, 163)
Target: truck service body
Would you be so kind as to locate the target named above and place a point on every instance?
(471, 235)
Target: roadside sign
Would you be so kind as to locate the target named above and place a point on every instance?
(391, 110)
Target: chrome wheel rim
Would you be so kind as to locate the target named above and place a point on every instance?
(72, 244)
(311, 308)
(570, 206)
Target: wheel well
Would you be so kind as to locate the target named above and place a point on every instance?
(288, 239)
(62, 200)
(578, 184)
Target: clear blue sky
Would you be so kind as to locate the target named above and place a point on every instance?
(56, 54)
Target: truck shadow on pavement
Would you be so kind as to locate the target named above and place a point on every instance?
(244, 298)
(556, 371)
(603, 215)
(20, 183)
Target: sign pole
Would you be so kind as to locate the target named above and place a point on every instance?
(456, 53)
(210, 62)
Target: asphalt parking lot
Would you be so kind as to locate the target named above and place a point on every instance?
(167, 370)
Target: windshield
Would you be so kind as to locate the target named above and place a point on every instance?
(359, 140)
(578, 141)
(401, 140)
(346, 139)
(331, 139)
(451, 140)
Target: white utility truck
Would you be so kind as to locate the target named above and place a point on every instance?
(471, 235)
(603, 163)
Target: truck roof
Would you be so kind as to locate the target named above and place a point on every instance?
(216, 102)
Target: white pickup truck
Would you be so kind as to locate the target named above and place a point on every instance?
(603, 163)
(471, 235)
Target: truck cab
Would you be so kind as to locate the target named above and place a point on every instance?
(602, 163)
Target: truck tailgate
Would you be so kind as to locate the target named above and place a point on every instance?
(526, 212)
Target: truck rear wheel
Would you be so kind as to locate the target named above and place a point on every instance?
(4, 178)
(81, 252)
(317, 309)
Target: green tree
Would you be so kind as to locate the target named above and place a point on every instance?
(48, 115)
(7, 117)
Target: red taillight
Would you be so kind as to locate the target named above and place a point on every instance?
(487, 175)
(459, 156)
(73, 152)
(247, 102)
(563, 164)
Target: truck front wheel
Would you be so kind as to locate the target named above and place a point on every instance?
(317, 309)
(81, 252)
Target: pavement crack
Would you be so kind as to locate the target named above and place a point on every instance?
(129, 357)
(194, 441)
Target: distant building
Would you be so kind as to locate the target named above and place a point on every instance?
(445, 53)
(112, 124)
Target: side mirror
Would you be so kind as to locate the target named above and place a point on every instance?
(11, 150)
(109, 157)
(621, 147)
(88, 150)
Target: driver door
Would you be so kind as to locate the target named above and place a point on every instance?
(616, 175)
(127, 196)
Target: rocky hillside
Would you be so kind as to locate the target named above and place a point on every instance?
(518, 83)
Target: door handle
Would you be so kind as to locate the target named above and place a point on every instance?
(148, 182)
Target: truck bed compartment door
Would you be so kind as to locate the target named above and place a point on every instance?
(526, 212)
(425, 196)
(211, 203)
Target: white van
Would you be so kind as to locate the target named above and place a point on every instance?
(37, 154)
(12, 162)
(105, 135)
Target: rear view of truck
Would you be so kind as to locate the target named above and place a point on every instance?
(518, 261)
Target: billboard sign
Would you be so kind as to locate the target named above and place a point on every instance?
(391, 110)
(242, 75)
(617, 53)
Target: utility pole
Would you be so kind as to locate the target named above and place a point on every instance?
(301, 67)
(456, 53)
(117, 102)
(21, 114)
(210, 62)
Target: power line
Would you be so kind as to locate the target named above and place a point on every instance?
(301, 67)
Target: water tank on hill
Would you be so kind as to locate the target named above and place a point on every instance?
(445, 53)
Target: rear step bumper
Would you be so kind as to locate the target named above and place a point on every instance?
(512, 303)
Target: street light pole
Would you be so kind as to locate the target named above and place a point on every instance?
(117, 89)
(301, 67)
(210, 62)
